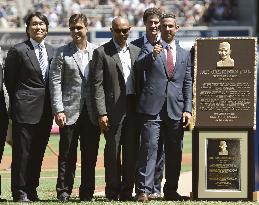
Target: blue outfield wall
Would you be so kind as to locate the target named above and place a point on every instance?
(59, 37)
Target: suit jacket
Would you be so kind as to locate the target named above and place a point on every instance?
(139, 42)
(29, 94)
(139, 73)
(69, 89)
(1, 77)
(109, 89)
(158, 87)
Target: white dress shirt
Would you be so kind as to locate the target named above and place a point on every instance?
(173, 48)
(125, 59)
(84, 56)
(37, 50)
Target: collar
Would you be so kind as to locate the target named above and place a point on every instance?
(35, 43)
(172, 44)
(118, 48)
(146, 40)
(86, 50)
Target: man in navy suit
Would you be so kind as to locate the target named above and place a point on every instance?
(26, 80)
(151, 21)
(165, 104)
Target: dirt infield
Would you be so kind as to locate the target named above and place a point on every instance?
(51, 162)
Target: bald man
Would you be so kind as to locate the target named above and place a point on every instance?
(224, 54)
(114, 99)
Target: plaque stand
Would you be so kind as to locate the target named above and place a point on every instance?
(224, 141)
(199, 181)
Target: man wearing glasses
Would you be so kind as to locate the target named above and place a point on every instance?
(72, 108)
(114, 99)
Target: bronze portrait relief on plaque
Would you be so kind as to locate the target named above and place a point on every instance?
(224, 52)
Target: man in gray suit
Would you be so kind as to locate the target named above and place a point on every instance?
(71, 106)
(114, 98)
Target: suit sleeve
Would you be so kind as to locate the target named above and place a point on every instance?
(187, 86)
(145, 59)
(98, 82)
(55, 82)
(13, 62)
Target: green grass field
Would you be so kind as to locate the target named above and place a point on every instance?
(47, 192)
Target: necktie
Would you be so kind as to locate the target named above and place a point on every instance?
(169, 61)
(42, 62)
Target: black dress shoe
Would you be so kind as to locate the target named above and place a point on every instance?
(22, 199)
(142, 197)
(126, 197)
(175, 197)
(154, 196)
(85, 198)
(2, 200)
(112, 198)
(33, 197)
(64, 197)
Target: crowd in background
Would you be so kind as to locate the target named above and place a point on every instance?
(101, 12)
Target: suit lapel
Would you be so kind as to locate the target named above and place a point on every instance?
(50, 52)
(133, 54)
(163, 59)
(178, 59)
(77, 58)
(90, 50)
(115, 56)
(33, 58)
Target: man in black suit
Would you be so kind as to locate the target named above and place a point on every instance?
(26, 78)
(3, 118)
(114, 99)
(165, 104)
(3, 115)
(151, 21)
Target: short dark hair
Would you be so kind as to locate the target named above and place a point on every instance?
(167, 15)
(40, 16)
(76, 17)
(151, 12)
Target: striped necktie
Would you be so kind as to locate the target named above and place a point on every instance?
(42, 62)
(169, 61)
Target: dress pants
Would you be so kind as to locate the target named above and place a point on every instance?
(89, 144)
(29, 144)
(120, 177)
(152, 127)
(130, 145)
(159, 168)
(3, 123)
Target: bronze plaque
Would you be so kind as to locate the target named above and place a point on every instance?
(223, 164)
(225, 82)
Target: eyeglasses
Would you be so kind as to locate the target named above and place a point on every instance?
(124, 31)
(76, 28)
